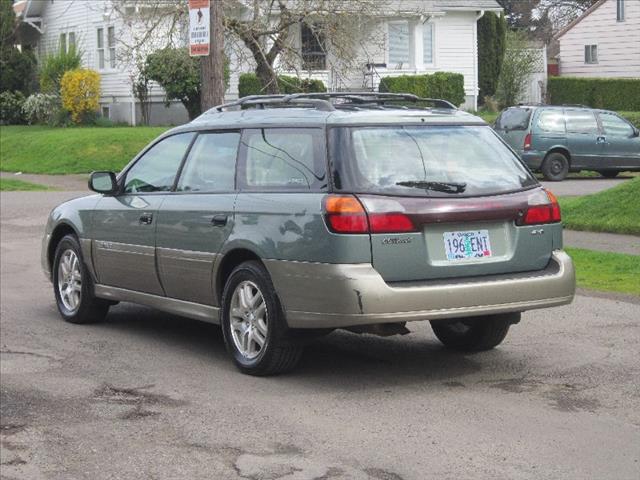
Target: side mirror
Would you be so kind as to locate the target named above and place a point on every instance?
(636, 132)
(103, 182)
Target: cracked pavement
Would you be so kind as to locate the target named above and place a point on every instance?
(151, 395)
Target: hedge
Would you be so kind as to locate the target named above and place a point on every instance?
(609, 93)
(250, 85)
(445, 85)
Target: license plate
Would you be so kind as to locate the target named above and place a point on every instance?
(464, 245)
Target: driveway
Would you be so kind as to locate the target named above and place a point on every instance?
(150, 395)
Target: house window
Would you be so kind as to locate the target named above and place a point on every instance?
(100, 44)
(399, 44)
(314, 56)
(590, 54)
(106, 52)
(111, 39)
(427, 43)
(620, 10)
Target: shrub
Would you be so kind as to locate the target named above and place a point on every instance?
(17, 70)
(491, 42)
(445, 85)
(633, 117)
(609, 93)
(178, 74)
(41, 108)
(80, 91)
(249, 84)
(519, 63)
(11, 108)
(54, 67)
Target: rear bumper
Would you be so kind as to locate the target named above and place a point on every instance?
(320, 295)
(533, 159)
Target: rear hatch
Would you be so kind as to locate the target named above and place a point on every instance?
(513, 126)
(443, 201)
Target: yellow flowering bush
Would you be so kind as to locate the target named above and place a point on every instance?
(80, 92)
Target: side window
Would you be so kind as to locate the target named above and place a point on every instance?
(614, 125)
(581, 121)
(211, 165)
(551, 121)
(156, 170)
(282, 159)
(514, 118)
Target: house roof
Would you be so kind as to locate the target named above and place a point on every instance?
(590, 10)
(442, 5)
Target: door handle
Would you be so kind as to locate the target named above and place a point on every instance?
(146, 219)
(601, 140)
(219, 220)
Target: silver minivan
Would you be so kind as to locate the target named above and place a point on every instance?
(556, 140)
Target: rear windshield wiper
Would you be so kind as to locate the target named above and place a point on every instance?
(446, 187)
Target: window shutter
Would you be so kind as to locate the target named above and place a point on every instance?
(399, 44)
(427, 43)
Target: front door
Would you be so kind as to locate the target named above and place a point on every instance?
(621, 147)
(195, 220)
(584, 138)
(124, 225)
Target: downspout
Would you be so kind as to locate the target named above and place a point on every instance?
(475, 60)
(133, 109)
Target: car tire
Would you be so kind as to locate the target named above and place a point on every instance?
(253, 324)
(474, 334)
(555, 167)
(609, 173)
(73, 286)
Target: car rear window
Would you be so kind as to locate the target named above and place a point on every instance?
(425, 160)
(515, 118)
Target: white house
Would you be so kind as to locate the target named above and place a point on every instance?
(418, 36)
(603, 42)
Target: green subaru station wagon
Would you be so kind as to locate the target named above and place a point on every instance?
(285, 217)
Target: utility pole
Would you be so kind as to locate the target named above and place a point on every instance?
(212, 65)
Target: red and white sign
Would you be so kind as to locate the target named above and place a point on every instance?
(199, 33)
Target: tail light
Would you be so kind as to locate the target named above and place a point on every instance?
(544, 213)
(527, 142)
(345, 214)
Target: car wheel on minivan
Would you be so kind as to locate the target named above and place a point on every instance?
(555, 167)
(475, 333)
(72, 285)
(253, 323)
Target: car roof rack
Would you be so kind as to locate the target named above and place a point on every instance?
(330, 101)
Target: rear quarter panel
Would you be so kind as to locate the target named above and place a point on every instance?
(290, 226)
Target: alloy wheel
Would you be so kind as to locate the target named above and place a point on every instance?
(248, 319)
(70, 280)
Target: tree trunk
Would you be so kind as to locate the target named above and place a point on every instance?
(212, 66)
(267, 78)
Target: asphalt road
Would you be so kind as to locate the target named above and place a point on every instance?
(149, 395)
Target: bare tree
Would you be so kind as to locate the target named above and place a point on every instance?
(265, 33)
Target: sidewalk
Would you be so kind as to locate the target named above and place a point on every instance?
(72, 183)
(605, 242)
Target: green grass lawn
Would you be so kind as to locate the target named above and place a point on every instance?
(610, 272)
(12, 185)
(616, 210)
(39, 149)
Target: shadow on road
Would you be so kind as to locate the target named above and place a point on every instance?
(343, 359)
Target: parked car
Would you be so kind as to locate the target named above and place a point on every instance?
(330, 211)
(556, 140)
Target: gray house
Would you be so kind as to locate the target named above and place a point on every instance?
(418, 36)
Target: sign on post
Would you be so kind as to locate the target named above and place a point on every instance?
(199, 33)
